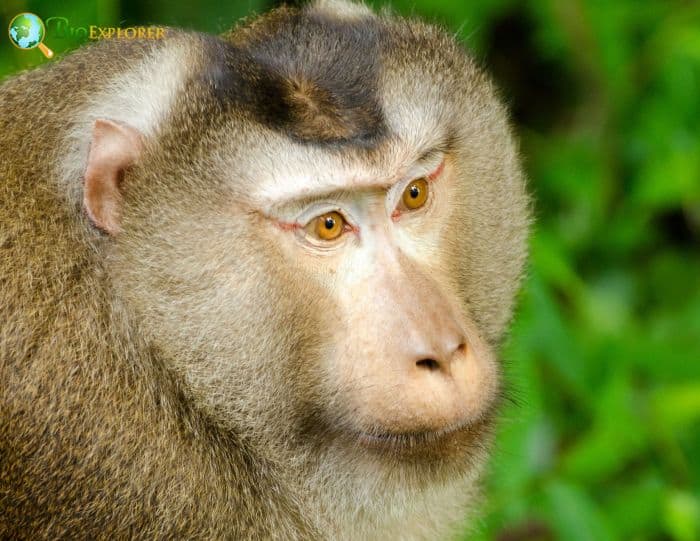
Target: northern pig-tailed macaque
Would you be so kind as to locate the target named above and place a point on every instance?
(254, 286)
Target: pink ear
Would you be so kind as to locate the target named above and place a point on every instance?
(113, 148)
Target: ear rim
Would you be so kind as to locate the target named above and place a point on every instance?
(114, 147)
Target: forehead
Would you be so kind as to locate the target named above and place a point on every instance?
(265, 169)
(337, 99)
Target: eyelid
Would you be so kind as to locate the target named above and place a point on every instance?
(437, 172)
(305, 222)
(314, 211)
(430, 174)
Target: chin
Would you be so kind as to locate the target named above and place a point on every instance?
(400, 486)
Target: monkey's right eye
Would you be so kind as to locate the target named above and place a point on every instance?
(416, 194)
(329, 226)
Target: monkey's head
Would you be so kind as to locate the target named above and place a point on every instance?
(321, 238)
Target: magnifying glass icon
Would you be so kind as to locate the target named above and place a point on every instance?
(28, 31)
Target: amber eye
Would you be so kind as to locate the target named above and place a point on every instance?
(329, 226)
(415, 194)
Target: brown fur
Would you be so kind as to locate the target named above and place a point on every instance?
(164, 382)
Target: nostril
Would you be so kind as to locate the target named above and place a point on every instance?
(462, 348)
(430, 364)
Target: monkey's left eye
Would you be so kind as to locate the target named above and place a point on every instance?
(416, 194)
(329, 226)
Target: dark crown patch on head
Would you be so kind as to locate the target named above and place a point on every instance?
(307, 74)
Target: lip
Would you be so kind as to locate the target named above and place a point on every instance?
(442, 442)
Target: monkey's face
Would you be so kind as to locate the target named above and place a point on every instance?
(336, 286)
(408, 371)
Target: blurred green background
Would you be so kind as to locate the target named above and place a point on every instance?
(602, 438)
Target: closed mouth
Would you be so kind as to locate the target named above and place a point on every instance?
(416, 441)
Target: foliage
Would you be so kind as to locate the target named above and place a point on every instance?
(603, 436)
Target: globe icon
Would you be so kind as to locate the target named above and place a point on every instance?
(27, 31)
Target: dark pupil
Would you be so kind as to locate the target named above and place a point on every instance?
(330, 222)
(415, 190)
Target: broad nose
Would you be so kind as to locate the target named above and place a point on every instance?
(425, 336)
(416, 362)
(440, 360)
(431, 342)
(429, 377)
